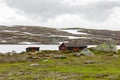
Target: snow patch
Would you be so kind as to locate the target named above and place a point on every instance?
(9, 31)
(23, 28)
(69, 37)
(29, 43)
(75, 31)
(24, 43)
(73, 37)
(63, 42)
(3, 41)
(28, 33)
(31, 34)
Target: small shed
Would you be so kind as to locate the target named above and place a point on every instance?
(69, 46)
(32, 49)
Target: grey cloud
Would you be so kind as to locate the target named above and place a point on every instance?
(98, 11)
(44, 8)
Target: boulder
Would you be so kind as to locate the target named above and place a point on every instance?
(86, 52)
(115, 55)
(35, 64)
(107, 46)
(59, 57)
(89, 62)
(76, 54)
(45, 60)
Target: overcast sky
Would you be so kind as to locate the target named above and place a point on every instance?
(100, 14)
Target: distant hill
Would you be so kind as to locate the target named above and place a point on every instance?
(43, 35)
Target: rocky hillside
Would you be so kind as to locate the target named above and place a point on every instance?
(98, 36)
(29, 35)
(43, 35)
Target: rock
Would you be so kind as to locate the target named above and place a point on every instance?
(35, 64)
(32, 53)
(59, 56)
(35, 57)
(89, 62)
(108, 46)
(20, 73)
(76, 54)
(13, 52)
(86, 52)
(11, 78)
(101, 75)
(116, 56)
(31, 56)
(45, 60)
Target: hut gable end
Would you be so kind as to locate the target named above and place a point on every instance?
(63, 47)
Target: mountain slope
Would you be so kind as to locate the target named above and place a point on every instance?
(43, 35)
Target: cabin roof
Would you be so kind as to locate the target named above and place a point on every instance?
(73, 45)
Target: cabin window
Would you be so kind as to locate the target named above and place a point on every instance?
(75, 48)
(32, 49)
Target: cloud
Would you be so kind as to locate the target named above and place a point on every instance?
(98, 14)
(8, 15)
(14, 16)
(96, 11)
(44, 8)
(99, 11)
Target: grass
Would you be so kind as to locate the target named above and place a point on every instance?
(105, 67)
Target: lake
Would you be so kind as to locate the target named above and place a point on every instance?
(21, 48)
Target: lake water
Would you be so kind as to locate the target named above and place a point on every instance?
(21, 48)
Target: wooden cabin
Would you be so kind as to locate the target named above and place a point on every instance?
(32, 49)
(68, 46)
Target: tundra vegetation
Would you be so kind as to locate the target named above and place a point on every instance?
(60, 65)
